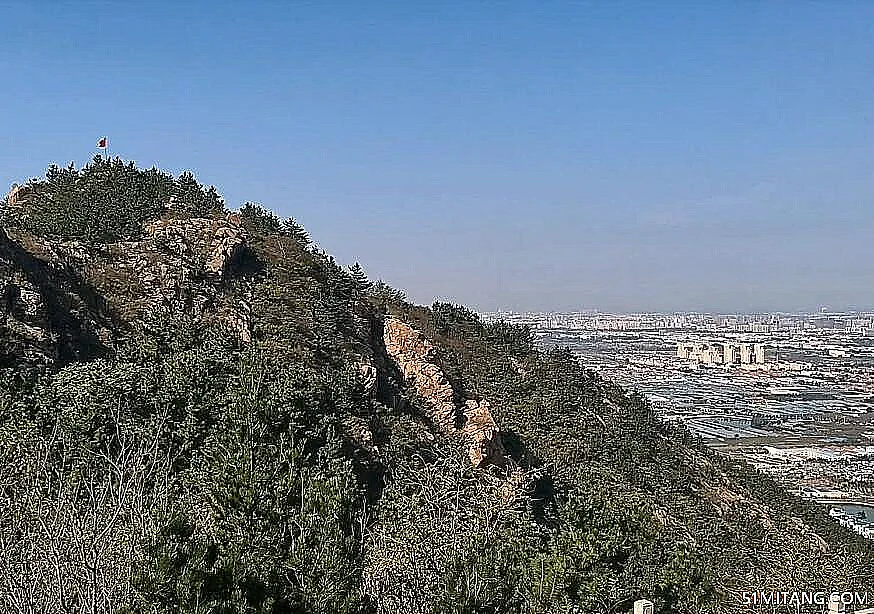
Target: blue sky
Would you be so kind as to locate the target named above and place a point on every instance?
(525, 155)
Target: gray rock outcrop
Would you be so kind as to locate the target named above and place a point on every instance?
(416, 359)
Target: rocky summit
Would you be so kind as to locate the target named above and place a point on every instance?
(201, 411)
(66, 300)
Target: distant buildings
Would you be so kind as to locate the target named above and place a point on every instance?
(853, 322)
(722, 352)
(706, 372)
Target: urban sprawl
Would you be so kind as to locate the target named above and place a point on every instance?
(791, 393)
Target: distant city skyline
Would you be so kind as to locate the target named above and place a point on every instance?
(821, 312)
(792, 395)
(764, 322)
(624, 156)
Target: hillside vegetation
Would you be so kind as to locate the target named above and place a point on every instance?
(200, 413)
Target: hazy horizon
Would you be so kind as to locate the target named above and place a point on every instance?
(714, 312)
(545, 156)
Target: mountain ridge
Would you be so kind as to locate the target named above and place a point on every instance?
(246, 426)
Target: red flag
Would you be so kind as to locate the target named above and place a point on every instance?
(101, 144)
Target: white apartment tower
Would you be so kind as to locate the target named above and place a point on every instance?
(723, 352)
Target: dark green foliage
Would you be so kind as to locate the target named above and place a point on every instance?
(291, 228)
(194, 199)
(265, 513)
(258, 509)
(631, 507)
(258, 219)
(186, 471)
(107, 200)
(383, 294)
(362, 285)
(447, 542)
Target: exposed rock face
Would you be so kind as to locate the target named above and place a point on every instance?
(25, 317)
(204, 243)
(197, 248)
(18, 195)
(61, 300)
(414, 354)
(416, 359)
(482, 433)
(50, 312)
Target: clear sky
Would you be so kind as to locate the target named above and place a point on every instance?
(524, 155)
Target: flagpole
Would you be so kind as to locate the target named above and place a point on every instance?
(103, 145)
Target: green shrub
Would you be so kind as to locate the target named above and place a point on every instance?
(106, 200)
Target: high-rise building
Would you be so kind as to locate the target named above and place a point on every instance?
(723, 352)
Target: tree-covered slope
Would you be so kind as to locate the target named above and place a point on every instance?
(200, 411)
